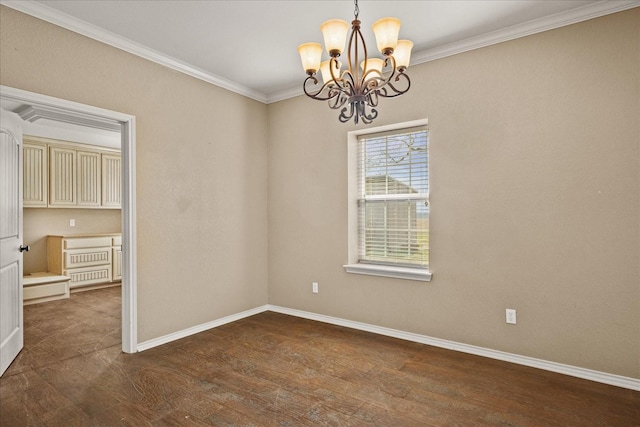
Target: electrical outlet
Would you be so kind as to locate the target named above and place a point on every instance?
(511, 316)
(314, 287)
(72, 223)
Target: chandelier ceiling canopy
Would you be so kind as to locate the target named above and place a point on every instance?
(356, 88)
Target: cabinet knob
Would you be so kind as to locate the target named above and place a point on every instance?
(24, 248)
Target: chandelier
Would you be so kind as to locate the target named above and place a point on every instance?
(364, 80)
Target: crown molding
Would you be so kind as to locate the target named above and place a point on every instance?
(584, 13)
(573, 16)
(51, 103)
(63, 20)
(281, 95)
(590, 11)
(33, 113)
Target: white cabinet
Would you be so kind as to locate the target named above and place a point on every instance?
(111, 181)
(76, 178)
(86, 259)
(61, 174)
(62, 177)
(35, 175)
(89, 179)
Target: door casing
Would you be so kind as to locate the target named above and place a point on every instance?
(88, 115)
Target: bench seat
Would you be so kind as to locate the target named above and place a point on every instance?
(43, 287)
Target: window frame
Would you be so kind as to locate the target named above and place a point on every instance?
(353, 264)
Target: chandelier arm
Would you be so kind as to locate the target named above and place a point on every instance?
(382, 80)
(379, 80)
(329, 94)
(353, 48)
(372, 96)
(372, 79)
(359, 112)
(315, 82)
(375, 83)
(389, 60)
(368, 118)
(336, 80)
(333, 62)
(338, 101)
(396, 92)
(344, 118)
(366, 59)
(349, 87)
(346, 81)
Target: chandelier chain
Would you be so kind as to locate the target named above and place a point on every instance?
(356, 11)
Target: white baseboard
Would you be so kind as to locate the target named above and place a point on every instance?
(146, 345)
(574, 371)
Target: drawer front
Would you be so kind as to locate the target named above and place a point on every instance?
(87, 242)
(116, 241)
(89, 276)
(87, 258)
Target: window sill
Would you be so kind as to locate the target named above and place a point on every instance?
(389, 271)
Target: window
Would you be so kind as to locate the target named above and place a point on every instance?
(389, 201)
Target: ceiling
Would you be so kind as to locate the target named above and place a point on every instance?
(251, 46)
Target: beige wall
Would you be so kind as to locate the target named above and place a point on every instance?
(534, 197)
(40, 222)
(201, 170)
(535, 191)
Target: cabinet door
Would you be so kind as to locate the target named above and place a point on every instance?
(35, 174)
(62, 177)
(116, 259)
(111, 181)
(89, 179)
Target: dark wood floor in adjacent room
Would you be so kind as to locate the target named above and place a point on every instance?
(276, 370)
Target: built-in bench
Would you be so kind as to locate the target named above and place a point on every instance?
(42, 287)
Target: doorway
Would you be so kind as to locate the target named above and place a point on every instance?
(86, 115)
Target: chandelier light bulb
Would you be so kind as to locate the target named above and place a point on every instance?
(310, 54)
(326, 71)
(402, 53)
(374, 66)
(386, 31)
(335, 36)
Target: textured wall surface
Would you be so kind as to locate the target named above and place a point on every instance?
(201, 170)
(535, 188)
(534, 165)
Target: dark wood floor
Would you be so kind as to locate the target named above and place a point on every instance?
(277, 370)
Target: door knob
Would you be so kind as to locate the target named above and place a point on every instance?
(24, 248)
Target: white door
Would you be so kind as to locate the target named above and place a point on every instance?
(11, 321)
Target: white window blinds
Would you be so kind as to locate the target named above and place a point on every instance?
(393, 192)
